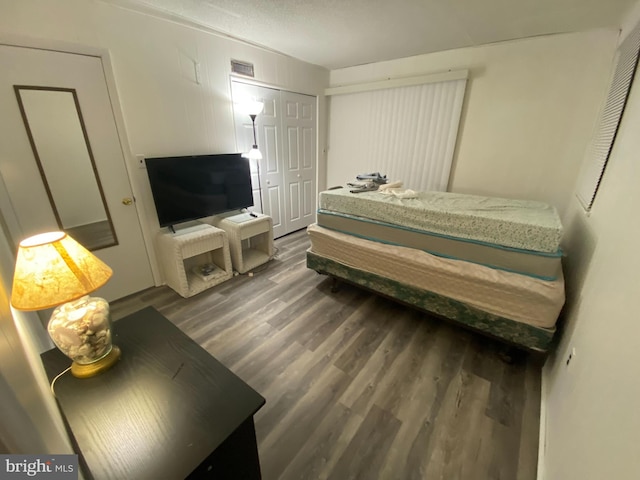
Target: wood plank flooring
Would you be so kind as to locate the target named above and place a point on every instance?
(357, 386)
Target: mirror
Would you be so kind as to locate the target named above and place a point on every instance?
(61, 148)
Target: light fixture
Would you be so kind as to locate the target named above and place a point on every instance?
(53, 270)
(254, 108)
(254, 154)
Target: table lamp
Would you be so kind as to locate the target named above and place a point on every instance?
(53, 270)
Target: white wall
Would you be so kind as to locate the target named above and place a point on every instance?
(530, 107)
(593, 420)
(166, 111)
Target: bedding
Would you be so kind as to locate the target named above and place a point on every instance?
(523, 335)
(507, 295)
(546, 266)
(520, 224)
(490, 264)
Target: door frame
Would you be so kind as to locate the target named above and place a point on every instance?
(23, 41)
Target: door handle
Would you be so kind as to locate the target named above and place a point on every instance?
(127, 201)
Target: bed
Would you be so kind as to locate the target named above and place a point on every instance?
(493, 265)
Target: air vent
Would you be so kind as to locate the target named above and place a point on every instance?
(243, 68)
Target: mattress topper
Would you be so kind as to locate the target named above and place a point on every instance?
(525, 224)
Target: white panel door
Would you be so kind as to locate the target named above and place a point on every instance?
(299, 152)
(23, 196)
(286, 135)
(270, 144)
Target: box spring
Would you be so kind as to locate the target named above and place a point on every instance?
(503, 294)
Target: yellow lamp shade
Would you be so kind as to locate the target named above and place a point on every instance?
(51, 269)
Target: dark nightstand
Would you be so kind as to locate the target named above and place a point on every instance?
(166, 410)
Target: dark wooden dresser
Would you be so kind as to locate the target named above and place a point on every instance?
(166, 410)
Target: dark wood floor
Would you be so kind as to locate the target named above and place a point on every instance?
(358, 386)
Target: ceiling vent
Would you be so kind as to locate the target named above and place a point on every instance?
(242, 68)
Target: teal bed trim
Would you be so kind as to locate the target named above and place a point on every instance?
(516, 333)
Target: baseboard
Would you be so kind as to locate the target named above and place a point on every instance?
(542, 437)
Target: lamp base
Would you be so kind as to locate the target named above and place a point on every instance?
(80, 370)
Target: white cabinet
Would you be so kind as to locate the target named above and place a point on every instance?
(195, 258)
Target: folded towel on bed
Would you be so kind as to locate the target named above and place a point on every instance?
(395, 189)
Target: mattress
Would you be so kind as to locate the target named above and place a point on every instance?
(509, 295)
(542, 265)
(522, 224)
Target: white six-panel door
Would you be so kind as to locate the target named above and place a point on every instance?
(299, 152)
(285, 179)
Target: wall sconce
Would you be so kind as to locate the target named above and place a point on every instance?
(53, 270)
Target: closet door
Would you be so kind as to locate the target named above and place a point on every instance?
(285, 179)
(267, 176)
(299, 158)
(269, 132)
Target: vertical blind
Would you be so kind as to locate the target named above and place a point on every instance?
(599, 150)
(407, 132)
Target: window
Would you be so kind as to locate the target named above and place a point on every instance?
(405, 128)
(605, 134)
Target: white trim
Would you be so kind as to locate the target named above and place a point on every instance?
(18, 40)
(542, 436)
(398, 82)
(234, 77)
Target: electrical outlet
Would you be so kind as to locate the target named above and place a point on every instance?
(571, 356)
(141, 163)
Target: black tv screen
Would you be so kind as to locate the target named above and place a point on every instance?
(191, 187)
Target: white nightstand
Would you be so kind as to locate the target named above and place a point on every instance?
(182, 254)
(250, 239)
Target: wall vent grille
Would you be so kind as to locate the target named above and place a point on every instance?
(242, 68)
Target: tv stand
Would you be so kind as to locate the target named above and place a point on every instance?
(185, 252)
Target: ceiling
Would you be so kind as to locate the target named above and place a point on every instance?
(342, 33)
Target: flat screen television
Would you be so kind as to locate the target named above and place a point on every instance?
(191, 187)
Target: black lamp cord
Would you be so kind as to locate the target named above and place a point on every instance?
(255, 145)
